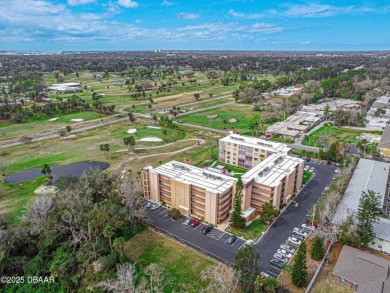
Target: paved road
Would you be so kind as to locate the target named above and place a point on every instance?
(213, 245)
(201, 127)
(267, 245)
(293, 216)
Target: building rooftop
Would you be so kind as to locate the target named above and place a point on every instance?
(385, 140)
(369, 272)
(256, 142)
(208, 180)
(272, 170)
(368, 175)
(382, 229)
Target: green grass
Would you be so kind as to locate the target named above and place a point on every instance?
(306, 176)
(14, 196)
(184, 266)
(334, 134)
(253, 231)
(279, 139)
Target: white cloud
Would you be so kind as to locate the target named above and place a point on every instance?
(265, 28)
(80, 2)
(138, 21)
(185, 15)
(128, 3)
(244, 15)
(167, 3)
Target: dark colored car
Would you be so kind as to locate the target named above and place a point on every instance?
(188, 221)
(308, 159)
(299, 236)
(148, 204)
(206, 230)
(277, 262)
(195, 223)
(232, 239)
(328, 162)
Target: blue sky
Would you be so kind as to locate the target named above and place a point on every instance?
(194, 25)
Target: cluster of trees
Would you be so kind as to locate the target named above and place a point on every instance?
(77, 236)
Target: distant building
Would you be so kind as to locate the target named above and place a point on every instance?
(384, 144)
(370, 137)
(63, 88)
(274, 180)
(361, 271)
(246, 151)
(192, 190)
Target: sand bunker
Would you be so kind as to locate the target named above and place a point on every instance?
(46, 190)
(54, 119)
(232, 120)
(77, 120)
(212, 116)
(132, 130)
(154, 127)
(151, 139)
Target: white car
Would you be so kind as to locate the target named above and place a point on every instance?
(281, 257)
(307, 168)
(337, 171)
(312, 228)
(312, 169)
(294, 240)
(285, 253)
(249, 243)
(287, 248)
(300, 232)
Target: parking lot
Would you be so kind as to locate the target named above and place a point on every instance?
(215, 243)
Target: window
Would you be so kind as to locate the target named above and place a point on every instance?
(342, 281)
(354, 286)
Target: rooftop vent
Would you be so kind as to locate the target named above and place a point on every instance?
(212, 176)
(180, 167)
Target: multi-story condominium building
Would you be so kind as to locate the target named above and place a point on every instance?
(192, 190)
(274, 180)
(247, 152)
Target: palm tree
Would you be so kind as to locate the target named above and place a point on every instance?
(130, 142)
(105, 148)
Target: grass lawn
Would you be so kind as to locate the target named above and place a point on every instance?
(306, 176)
(253, 231)
(279, 139)
(14, 196)
(243, 113)
(334, 134)
(183, 265)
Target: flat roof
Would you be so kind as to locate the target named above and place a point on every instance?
(368, 175)
(256, 142)
(272, 170)
(208, 180)
(293, 122)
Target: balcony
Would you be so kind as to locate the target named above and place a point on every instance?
(197, 207)
(198, 202)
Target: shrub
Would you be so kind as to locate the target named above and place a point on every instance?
(174, 214)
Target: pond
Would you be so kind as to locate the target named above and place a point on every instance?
(76, 169)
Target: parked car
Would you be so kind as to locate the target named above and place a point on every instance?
(312, 169)
(148, 204)
(285, 253)
(294, 203)
(206, 230)
(265, 275)
(232, 239)
(307, 168)
(308, 159)
(277, 262)
(299, 236)
(249, 243)
(180, 121)
(300, 231)
(288, 248)
(326, 188)
(188, 221)
(333, 178)
(155, 206)
(328, 162)
(308, 226)
(337, 171)
(195, 223)
(281, 257)
(294, 240)
(307, 230)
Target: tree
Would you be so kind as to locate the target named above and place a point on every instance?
(299, 268)
(268, 212)
(131, 117)
(46, 170)
(26, 140)
(118, 245)
(108, 232)
(246, 264)
(220, 278)
(197, 96)
(35, 213)
(174, 214)
(130, 142)
(367, 214)
(326, 111)
(317, 249)
(68, 129)
(105, 148)
(155, 118)
(3, 167)
(237, 221)
(268, 285)
(164, 132)
(61, 132)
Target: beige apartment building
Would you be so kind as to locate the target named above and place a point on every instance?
(192, 190)
(247, 152)
(274, 180)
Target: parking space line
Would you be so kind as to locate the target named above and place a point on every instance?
(271, 273)
(162, 212)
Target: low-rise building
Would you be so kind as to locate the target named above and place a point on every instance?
(362, 271)
(247, 152)
(370, 137)
(274, 180)
(192, 190)
(384, 143)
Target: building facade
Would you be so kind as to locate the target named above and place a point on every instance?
(274, 180)
(247, 152)
(190, 189)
